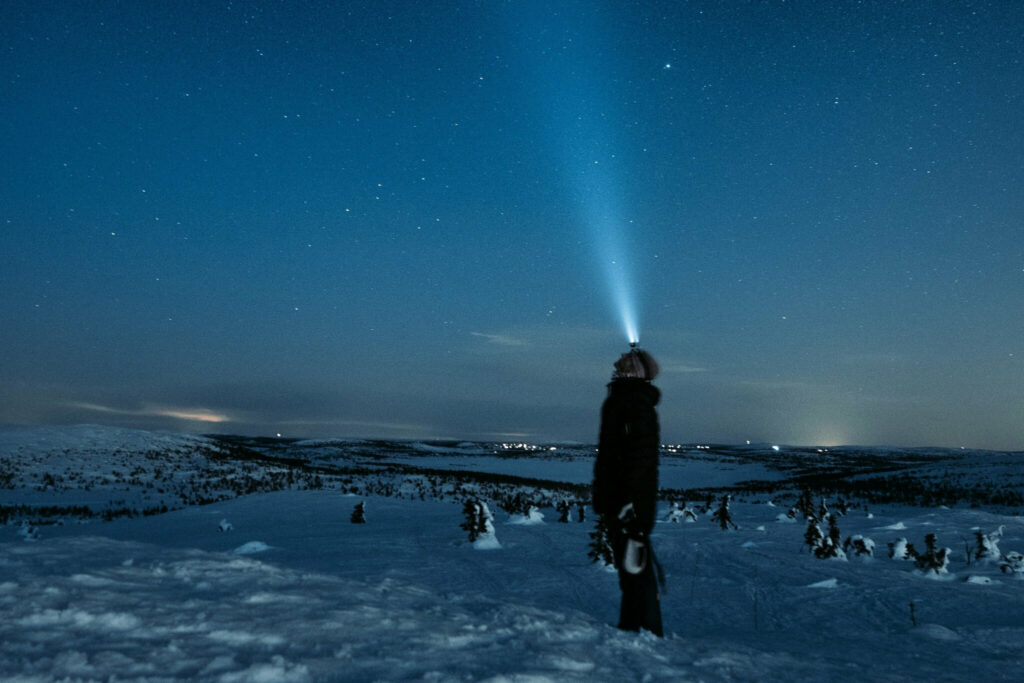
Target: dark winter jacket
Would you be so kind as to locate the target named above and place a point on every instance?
(626, 470)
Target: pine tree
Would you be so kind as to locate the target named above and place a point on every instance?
(563, 508)
(479, 524)
(829, 545)
(359, 513)
(600, 543)
(987, 545)
(805, 505)
(475, 524)
(723, 516)
(933, 559)
(813, 536)
(679, 512)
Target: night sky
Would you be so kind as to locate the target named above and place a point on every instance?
(424, 220)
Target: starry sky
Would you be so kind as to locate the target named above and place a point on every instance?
(434, 220)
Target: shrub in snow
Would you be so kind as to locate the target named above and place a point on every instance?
(29, 532)
(533, 516)
(933, 559)
(900, 549)
(479, 524)
(722, 516)
(708, 504)
(1013, 563)
(680, 513)
(861, 546)
(359, 513)
(600, 544)
(986, 546)
(224, 525)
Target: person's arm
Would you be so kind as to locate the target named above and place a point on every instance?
(609, 449)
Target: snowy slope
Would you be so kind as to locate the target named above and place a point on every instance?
(291, 590)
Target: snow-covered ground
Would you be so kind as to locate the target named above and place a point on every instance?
(280, 586)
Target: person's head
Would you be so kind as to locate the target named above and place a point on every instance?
(637, 364)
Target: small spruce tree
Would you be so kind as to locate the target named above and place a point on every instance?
(987, 545)
(829, 545)
(563, 508)
(359, 513)
(722, 516)
(474, 523)
(933, 559)
(805, 505)
(813, 536)
(900, 549)
(601, 544)
(479, 524)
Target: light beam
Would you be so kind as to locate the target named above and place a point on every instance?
(574, 82)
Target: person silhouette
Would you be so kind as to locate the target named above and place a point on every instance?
(625, 487)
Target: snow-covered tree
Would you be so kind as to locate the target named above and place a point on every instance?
(679, 512)
(601, 544)
(479, 524)
(516, 504)
(805, 506)
(900, 549)
(359, 513)
(708, 504)
(533, 515)
(822, 545)
(1013, 563)
(722, 516)
(813, 535)
(829, 545)
(933, 559)
(987, 545)
(860, 545)
(475, 524)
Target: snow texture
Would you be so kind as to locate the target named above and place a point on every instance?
(294, 592)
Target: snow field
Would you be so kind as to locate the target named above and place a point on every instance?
(294, 592)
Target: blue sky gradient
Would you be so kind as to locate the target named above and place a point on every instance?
(412, 219)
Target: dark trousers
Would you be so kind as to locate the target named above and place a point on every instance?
(641, 603)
